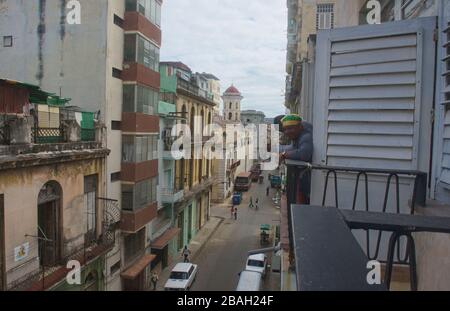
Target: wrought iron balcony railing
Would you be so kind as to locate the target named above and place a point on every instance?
(45, 277)
(297, 170)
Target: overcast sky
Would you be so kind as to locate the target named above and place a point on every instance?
(241, 42)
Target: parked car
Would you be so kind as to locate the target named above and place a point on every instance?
(249, 281)
(182, 277)
(257, 263)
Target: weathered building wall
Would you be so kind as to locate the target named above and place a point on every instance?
(75, 61)
(21, 188)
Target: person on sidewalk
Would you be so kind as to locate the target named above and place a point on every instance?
(267, 191)
(154, 280)
(256, 204)
(235, 214)
(186, 253)
(250, 205)
(232, 211)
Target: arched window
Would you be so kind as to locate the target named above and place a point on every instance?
(231, 107)
(230, 116)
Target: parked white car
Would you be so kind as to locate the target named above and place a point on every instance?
(182, 277)
(257, 263)
(249, 281)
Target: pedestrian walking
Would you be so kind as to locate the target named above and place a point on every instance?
(250, 205)
(235, 214)
(267, 191)
(154, 279)
(186, 253)
(232, 211)
(256, 204)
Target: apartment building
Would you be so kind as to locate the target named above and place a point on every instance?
(194, 108)
(105, 62)
(53, 206)
(305, 18)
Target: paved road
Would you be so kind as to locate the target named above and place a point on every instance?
(224, 255)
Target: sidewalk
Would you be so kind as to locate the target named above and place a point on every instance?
(195, 246)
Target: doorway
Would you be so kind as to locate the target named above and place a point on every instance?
(189, 223)
(181, 227)
(49, 203)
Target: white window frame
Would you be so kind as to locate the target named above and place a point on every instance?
(325, 16)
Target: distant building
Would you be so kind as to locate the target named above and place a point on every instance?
(232, 104)
(214, 90)
(224, 170)
(252, 117)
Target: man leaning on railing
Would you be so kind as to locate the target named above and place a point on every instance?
(300, 134)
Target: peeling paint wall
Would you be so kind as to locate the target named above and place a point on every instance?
(74, 60)
(21, 189)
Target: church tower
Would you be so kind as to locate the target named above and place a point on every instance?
(232, 105)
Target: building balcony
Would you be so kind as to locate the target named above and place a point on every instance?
(170, 99)
(26, 130)
(47, 277)
(189, 88)
(171, 195)
(161, 226)
(343, 238)
(204, 185)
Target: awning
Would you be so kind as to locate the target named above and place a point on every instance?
(164, 239)
(132, 272)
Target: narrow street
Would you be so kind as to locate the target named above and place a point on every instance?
(224, 255)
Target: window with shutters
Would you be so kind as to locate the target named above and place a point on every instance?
(372, 102)
(445, 172)
(325, 16)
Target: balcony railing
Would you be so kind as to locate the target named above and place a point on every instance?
(41, 135)
(195, 90)
(4, 135)
(171, 195)
(45, 277)
(168, 97)
(373, 221)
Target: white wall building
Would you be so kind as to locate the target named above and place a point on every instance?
(232, 104)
